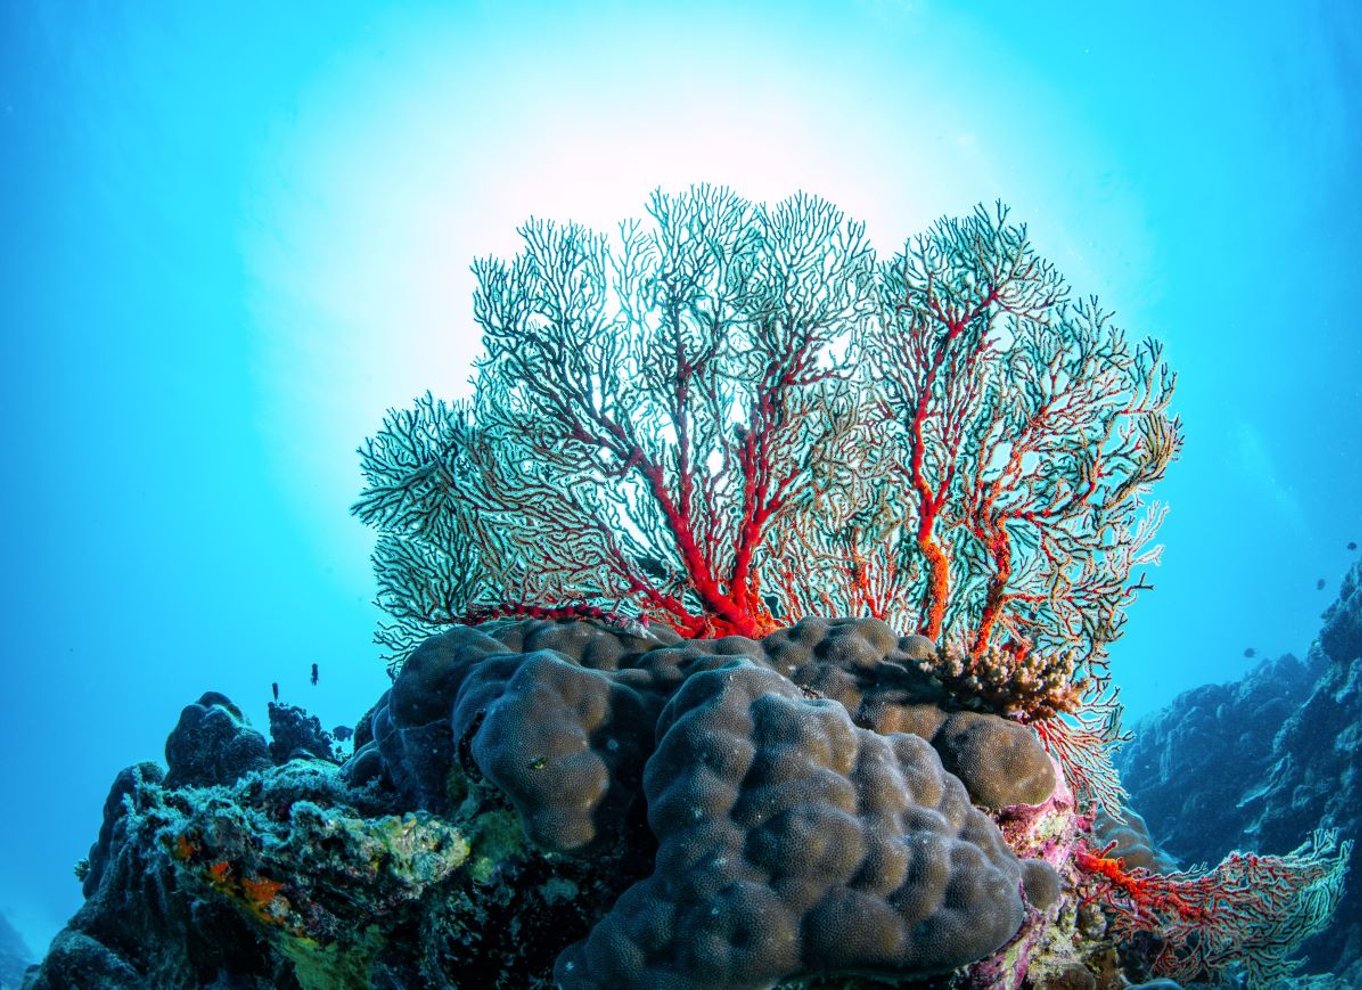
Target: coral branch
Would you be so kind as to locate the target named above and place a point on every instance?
(1249, 913)
(733, 416)
(1082, 740)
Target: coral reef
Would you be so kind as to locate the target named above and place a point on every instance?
(625, 745)
(1264, 762)
(538, 797)
(574, 804)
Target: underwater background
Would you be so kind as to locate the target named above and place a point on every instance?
(234, 235)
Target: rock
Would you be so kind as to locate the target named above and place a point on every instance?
(213, 744)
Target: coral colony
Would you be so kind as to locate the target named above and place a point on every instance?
(748, 629)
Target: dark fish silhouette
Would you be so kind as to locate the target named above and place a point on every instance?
(314, 666)
(342, 732)
(275, 689)
(1319, 585)
(1352, 544)
(654, 568)
(1250, 653)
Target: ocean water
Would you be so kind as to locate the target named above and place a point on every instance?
(233, 235)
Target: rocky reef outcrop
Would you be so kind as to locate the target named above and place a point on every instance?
(14, 955)
(1263, 762)
(569, 804)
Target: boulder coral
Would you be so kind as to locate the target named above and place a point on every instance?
(793, 842)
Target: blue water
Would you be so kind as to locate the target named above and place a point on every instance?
(233, 234)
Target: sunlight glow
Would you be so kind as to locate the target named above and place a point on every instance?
(391, 183)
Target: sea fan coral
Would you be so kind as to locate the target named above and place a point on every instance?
(1249, 913)
(734, 417)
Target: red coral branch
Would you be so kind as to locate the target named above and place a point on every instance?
(1250, 912)
(735, 417)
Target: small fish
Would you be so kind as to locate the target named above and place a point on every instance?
(342, 732)
(274, 688)
(654, 568)
(1250, 653)
(314, 669)
(1352, 544)
(1319, 585)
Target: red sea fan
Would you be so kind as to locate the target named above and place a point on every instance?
(734, 416)
(1249, 913)
(1082, 742)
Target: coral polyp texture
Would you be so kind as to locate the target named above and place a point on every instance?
(790, 841)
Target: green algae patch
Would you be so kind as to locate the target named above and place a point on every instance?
(497, 836)
(420, 849)
(334, 966)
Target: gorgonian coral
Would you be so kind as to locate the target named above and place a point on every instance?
(734, 416)
(1247, 915)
